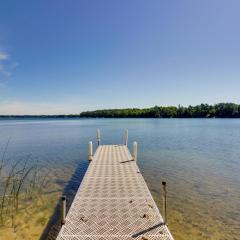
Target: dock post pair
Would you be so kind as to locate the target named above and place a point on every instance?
(90, 146)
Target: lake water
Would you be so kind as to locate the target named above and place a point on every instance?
(198, 158)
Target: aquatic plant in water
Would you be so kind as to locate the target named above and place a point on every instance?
(21, 183)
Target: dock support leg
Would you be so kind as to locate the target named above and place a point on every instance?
(135, 151)
(126, 137)
(98, 137)
(90, 151)
(63, 210)
(164, 184)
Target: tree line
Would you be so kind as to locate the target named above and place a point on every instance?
(220, 110)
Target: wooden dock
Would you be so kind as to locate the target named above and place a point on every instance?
(113, 202)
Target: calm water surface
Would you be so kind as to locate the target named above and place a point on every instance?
(199, 159)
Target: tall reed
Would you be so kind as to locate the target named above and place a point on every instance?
(21, 181)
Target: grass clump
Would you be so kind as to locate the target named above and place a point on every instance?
(24, 205)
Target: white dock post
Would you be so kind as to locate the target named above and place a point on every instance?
(126, 137)
(63, 210)
(164, 184)
(98, 137)
(90, 151)
(135, 151)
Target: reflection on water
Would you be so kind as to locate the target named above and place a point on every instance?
(199, 159)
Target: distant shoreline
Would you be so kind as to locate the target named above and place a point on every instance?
(220, 110)
(18, 117)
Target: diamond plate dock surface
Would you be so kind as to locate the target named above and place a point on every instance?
(113, 202)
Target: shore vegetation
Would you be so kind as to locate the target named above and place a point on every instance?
(220, 110)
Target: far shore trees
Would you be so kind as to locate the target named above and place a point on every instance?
(220, 110)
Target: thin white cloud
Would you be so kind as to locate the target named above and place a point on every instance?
(3, 56)
(6, 66)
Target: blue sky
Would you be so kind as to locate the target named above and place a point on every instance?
(66, 56)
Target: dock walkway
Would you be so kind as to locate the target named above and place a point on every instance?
(113, 202)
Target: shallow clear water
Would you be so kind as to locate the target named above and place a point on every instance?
(198, 158)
